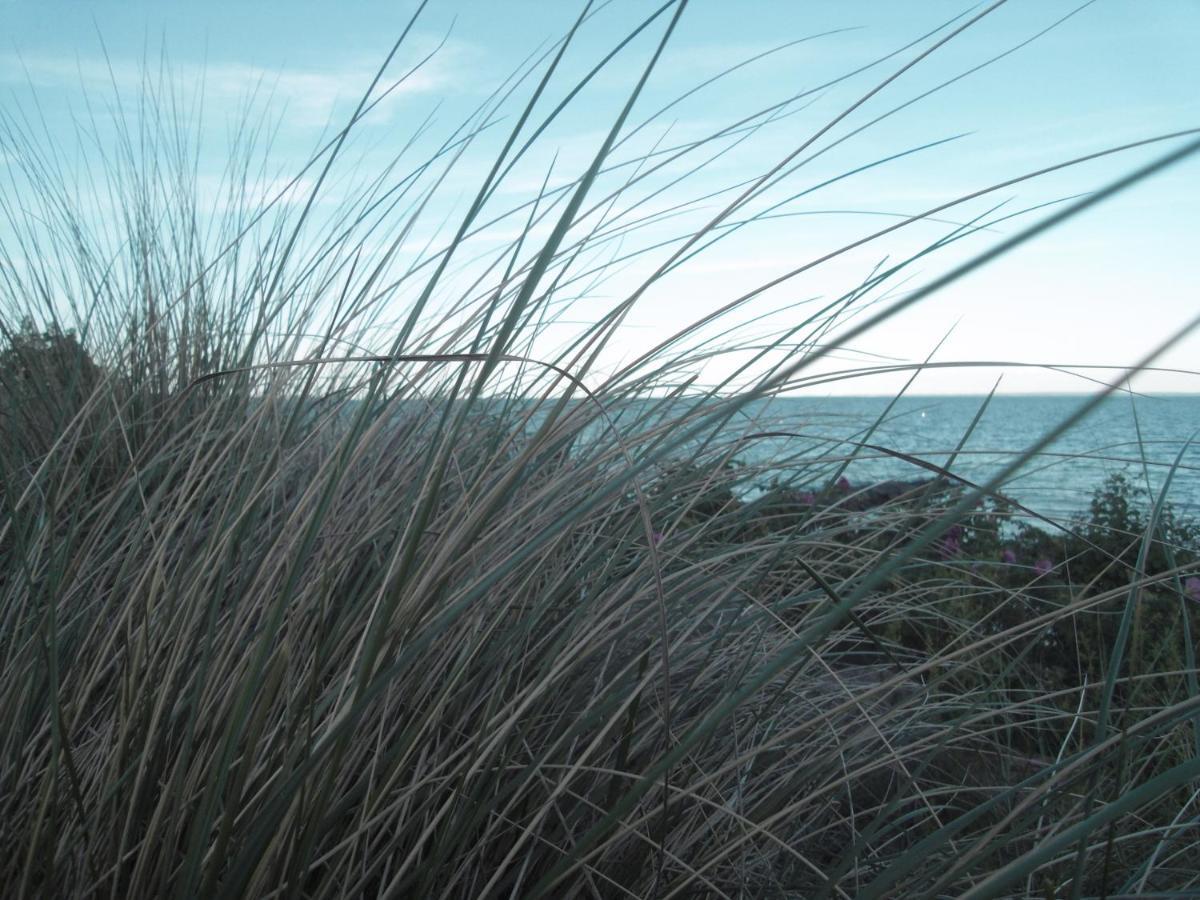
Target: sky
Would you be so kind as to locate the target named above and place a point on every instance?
(1102, 289)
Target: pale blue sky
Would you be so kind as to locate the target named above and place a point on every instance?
(1101, 289)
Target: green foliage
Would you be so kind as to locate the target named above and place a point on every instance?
(47, 379)
(1110, 536)
(1010, 572)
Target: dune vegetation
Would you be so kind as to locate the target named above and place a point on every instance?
(323, 573)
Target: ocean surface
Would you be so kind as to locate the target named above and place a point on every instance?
(1141, 436)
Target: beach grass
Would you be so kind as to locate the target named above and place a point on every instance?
(324, 573)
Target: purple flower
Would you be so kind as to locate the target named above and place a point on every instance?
(808, 498)
(1042, 567)
(948, 547)
(1192, 586)
(951, 542)
(657, 537)
(843, 484)
(1008, 556)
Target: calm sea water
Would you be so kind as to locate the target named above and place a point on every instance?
(1059, 482)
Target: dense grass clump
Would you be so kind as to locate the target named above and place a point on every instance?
(292, 605)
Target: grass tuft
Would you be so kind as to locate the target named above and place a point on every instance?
(333, 562)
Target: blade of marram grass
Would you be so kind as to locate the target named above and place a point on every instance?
(359, 833)
(1117, 653)
(189, 882)
(724, 708)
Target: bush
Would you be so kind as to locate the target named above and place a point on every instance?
(46, 378)
(1008, 572)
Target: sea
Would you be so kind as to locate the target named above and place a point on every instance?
(1152, 439)
(1148, 438)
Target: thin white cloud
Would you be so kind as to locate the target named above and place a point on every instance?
(310, 96)
(212, 192)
